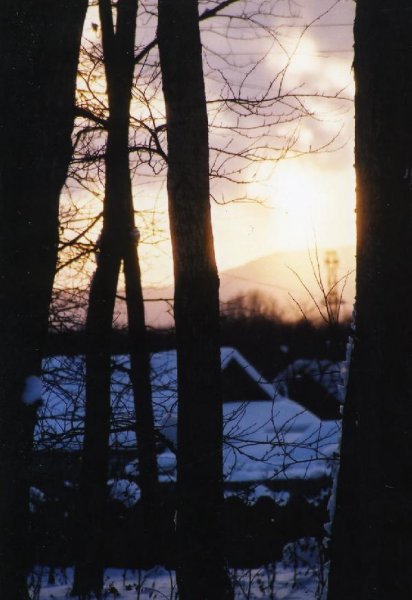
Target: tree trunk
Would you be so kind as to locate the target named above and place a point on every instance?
(200, 571)
(377, 471)
(120, 65)
(142, 393)
(39, 54)
(89, 569)
(117, 243)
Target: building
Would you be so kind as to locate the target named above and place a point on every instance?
(268, 437)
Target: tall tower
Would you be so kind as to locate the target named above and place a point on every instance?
(332, 291)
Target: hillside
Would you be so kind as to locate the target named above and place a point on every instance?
(279, 276)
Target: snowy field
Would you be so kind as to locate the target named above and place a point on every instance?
(297, 577)
(159, 584)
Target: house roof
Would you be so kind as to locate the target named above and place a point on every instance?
(264, 439)
(164, 373)
(316, 384)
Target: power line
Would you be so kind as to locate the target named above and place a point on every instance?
(308, 26)
(255, 25)
(298, 53)
(251, 281)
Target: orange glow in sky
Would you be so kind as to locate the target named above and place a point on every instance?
(302, 201)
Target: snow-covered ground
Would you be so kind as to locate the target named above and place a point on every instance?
(296, 577)
(264, 439)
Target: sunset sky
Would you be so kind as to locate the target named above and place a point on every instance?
(298, 201)
(310, 199)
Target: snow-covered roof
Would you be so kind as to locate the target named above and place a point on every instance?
(277, 440)
(315, 383)
(164, 371)
(265, 439)
(228, 355)
(326, 372)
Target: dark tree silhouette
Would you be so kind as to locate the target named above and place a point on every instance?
(117, 243)
(372, 544)
(200, 569)
(39, 54)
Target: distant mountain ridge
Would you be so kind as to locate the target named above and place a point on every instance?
(287, 277)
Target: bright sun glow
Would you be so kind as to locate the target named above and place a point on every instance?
(307, 205)
(296, 201)
(311, 206)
